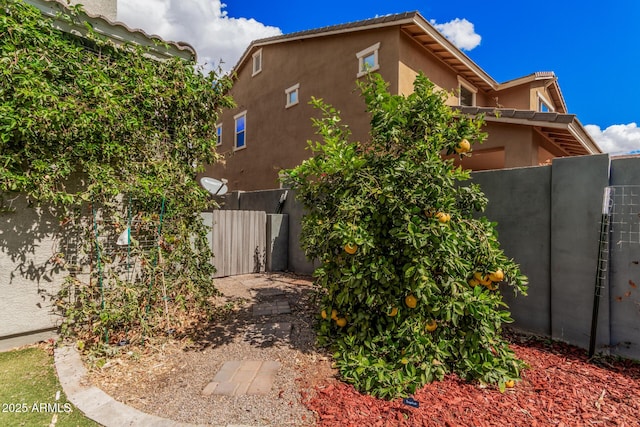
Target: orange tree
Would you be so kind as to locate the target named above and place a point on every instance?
(410, 271)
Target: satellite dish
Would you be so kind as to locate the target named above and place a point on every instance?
(214, 186)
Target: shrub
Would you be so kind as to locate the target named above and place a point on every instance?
(410, 270)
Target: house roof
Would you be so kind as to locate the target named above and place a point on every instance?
(118, 32)
(411, 23)
(422, 31)
(563, 130)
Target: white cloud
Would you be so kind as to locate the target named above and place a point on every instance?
(616, 138)
(460, 32)
(204, 24)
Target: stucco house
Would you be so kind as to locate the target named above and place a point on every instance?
(29, 236)
(526, 118)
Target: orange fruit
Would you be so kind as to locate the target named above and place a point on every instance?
(481, 278)
(492, 286)
(509, 384)
(323, 314)
(431, 325)
(350, 248)
(411, 301)
(334, 314)
(473, 282)
(496, 276)
(443, 217)
(463, 146)
(342, 322)
(393, 312)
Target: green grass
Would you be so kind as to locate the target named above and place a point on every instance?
(28, 388)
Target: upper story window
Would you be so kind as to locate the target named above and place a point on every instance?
(219, 134)
(544, 106)
(240, 139)
(257, 62)
(467, 93)
(292, 95)
(368, 59)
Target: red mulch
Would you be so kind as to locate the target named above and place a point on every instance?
(561, 388)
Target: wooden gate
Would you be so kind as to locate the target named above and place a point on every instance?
(238, 241)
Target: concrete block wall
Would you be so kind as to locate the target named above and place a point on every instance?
(624, 288)
(549, 222)
(520, 202)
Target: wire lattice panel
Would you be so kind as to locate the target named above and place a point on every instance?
(624, 216)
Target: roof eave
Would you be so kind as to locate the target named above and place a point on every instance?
(430, 30)
(303, 35)
(562, 121)
(404, 19)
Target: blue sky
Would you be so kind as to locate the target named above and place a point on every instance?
(592, 46)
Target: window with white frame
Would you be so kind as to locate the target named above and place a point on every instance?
(368, 59)
(292, 95)
(544, 106)
(240, 138)
(257, 62)
(466, 93)
(219, 134)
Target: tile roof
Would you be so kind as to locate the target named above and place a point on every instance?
(377, 21)
(48, 7)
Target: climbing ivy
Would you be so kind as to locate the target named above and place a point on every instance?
(86, 123)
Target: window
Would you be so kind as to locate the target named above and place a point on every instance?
(292, 95)
(544, 106)
(257, 62)
(467, 93)
(368, 59)
(240, 140)
(219, 134)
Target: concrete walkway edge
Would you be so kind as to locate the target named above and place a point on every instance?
(95, 403)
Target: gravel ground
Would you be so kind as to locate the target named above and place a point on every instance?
(168, 378)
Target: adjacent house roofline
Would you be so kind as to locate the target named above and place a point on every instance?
(563, 130)
(413, 24)
(552, 86)
(117, 32)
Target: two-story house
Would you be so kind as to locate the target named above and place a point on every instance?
(526, 118)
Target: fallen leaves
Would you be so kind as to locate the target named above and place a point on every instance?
(561, 387)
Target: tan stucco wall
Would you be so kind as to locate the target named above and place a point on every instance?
(326, 67)
(28, 278)
(523, 97)
(414, 58)
(276, 136)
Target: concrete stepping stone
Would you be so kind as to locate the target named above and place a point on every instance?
(238, 377)
(268, 332)
(266, 292)
(270, 308)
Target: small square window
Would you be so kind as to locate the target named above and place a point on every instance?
(257, 62)
(240, 139)
(292, 95)
(368, 60)
(219, 134)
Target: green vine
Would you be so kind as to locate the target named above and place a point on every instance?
(84, 125)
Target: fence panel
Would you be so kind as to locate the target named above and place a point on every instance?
(239, 242)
